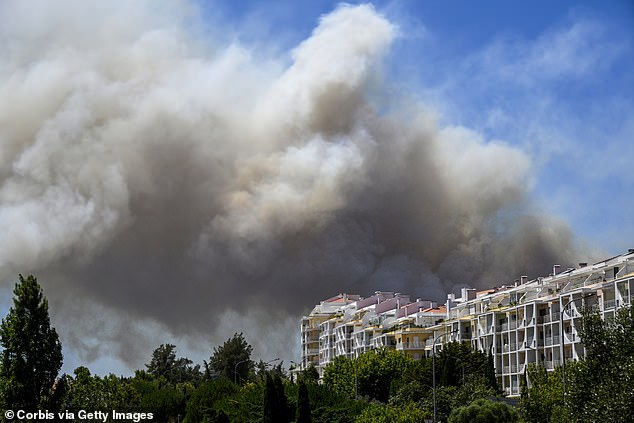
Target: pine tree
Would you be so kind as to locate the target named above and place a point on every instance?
(490, 372)
(32, 355)
(275, 408)
(303, 404)
(232, 360)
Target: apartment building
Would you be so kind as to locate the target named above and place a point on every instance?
(349, 325)
(520, 323)
(537, 321)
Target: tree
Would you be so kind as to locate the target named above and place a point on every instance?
(339, 376)
(164, 400)
(405, 413)
(32, 355)
(91, 392)
(601, 387)
(377, 372)
(484, 411)
(309, 375)
(544, 399)
(275, 408)
(203, 401)
(233, 359)
(303, 404)
(490, 373)
(165, 364)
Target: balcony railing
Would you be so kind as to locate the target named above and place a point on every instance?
(410, 345)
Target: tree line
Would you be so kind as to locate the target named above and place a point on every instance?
(378, 386)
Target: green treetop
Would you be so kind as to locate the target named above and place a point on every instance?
(32, 355)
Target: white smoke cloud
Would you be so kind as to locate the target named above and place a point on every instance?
(185, 182)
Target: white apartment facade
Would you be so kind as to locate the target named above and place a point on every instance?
(527, 322)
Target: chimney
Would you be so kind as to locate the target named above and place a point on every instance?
(556, 268)
(523, 280)
(471, 294)
(517, 282)
(583, 264)
(630, 250)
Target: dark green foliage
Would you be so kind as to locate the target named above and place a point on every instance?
(275, 409)
(203, 400)
(457, 359)
(484, 411)
(157, 396)
(245, 405)
(88, 392)
(406, 413)
(303, 404)
(309, 375)
(32, 354)
(492, 380)
(601, 387)
(232, 360)
(545, 396)
(165, 364)
(216, 416)
(339, 376)
(376, 371)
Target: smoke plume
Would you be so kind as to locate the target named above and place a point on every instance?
(150, 173)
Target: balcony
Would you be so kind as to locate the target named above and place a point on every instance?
(410, 346)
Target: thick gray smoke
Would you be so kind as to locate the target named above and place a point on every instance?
(199, 189)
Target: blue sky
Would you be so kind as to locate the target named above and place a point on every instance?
(553, 78)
